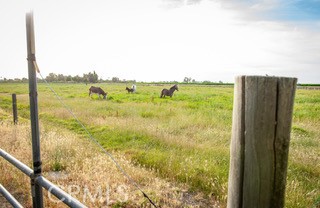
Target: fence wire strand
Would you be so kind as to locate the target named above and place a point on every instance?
(135, 184)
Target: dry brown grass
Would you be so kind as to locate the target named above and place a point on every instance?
(81, 169)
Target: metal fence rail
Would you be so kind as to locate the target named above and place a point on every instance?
(9, 197)
(59, 193)
(21, 166)
(39, 180)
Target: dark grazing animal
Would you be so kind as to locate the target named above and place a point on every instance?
(97, 90)
(169, 92)
(129, 90)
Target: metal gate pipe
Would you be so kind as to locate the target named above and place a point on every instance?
(25, 169)
(59, 193)
(9, 197)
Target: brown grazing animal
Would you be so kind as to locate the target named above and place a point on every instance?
(97, 90)
(129, 90)
(169, 92)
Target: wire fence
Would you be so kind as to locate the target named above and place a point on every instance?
(93, 139)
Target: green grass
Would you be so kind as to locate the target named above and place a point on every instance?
(184, 138)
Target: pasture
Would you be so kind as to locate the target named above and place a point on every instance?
(184, 139)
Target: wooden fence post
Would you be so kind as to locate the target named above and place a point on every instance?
(14, 109)
(262, 117)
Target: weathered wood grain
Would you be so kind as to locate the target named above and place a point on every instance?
(261, 127)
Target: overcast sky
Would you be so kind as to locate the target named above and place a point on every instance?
(164, 40)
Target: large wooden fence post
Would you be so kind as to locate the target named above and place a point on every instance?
(262, 117)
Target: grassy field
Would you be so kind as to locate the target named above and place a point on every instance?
(183, 139)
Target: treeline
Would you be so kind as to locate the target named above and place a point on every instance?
(91, 77)
(309, 85)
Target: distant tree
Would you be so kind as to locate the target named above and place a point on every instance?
(61, 78)
(115, 79)
(90, 77)
(93, 77)
(187, 79)
(206, 82)
(85, 78)
(69, 78)
(52, 77)
(77, 78)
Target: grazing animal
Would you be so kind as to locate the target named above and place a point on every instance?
(169, 92)
(134, 88)
(129, 90)
(97, 90)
